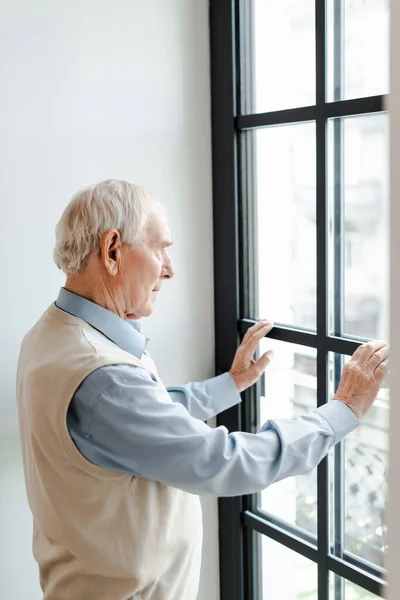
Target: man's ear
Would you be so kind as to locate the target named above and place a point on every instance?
(111, 251)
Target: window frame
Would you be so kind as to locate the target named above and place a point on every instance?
(230, 25)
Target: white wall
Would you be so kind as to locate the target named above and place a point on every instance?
(394, 438)
(92, 89)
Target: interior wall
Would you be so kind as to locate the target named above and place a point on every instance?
(95, 89)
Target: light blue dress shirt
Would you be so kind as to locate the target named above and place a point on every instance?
(121, 418)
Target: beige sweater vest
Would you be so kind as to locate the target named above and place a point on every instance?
(98, 533)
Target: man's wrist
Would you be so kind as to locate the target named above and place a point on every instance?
(340, 418)
(223, 391)
(238, 381)
(353, 409)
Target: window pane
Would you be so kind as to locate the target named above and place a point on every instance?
(285, 574)
(360, 181)
(285, 184)
(290, 390)
(358, 47)
(365, 464)
(361, 516)
(348, 590)
(283, 35)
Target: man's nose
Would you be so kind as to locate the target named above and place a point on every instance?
(168, 270)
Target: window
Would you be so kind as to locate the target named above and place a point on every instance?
(300, 236)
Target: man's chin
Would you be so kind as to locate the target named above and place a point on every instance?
(148, 309)
(144, 311)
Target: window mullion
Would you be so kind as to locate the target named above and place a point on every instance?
(321, 214)
(223, 85)
(338, 295)
(247, 231)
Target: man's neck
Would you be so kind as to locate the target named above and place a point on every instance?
(87, 287)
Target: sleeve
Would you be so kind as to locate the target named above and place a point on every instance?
(205, 399)
(133, 425)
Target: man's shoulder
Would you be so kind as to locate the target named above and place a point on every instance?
(60, 342)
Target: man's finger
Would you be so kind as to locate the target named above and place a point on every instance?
(262, 363)
(382, 370)
(378, 357)
(365, 351)
(369, 350)
(253, 329)
(250, 346)
(358, 352)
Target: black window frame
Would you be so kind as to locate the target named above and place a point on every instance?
(234, 302)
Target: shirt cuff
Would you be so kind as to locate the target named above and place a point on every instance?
(223, 391)
(339, 417)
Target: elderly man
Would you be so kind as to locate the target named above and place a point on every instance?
(114, 461)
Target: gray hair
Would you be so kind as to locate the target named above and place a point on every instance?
(110, 204)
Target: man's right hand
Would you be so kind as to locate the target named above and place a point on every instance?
(363, 376)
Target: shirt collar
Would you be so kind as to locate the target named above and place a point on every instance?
(125, 334)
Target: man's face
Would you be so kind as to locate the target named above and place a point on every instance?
(145, 266)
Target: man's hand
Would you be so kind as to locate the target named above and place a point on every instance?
(245, 370)
(363, 376)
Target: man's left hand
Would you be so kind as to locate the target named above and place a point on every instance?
(245, 370)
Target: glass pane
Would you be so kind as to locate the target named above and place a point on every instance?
(290, 390)
(285, 574)
(358, 48)
(346, 590)
(283, 68)
(360, 512)
(286, 231)
(366, 460)
(358, 207)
